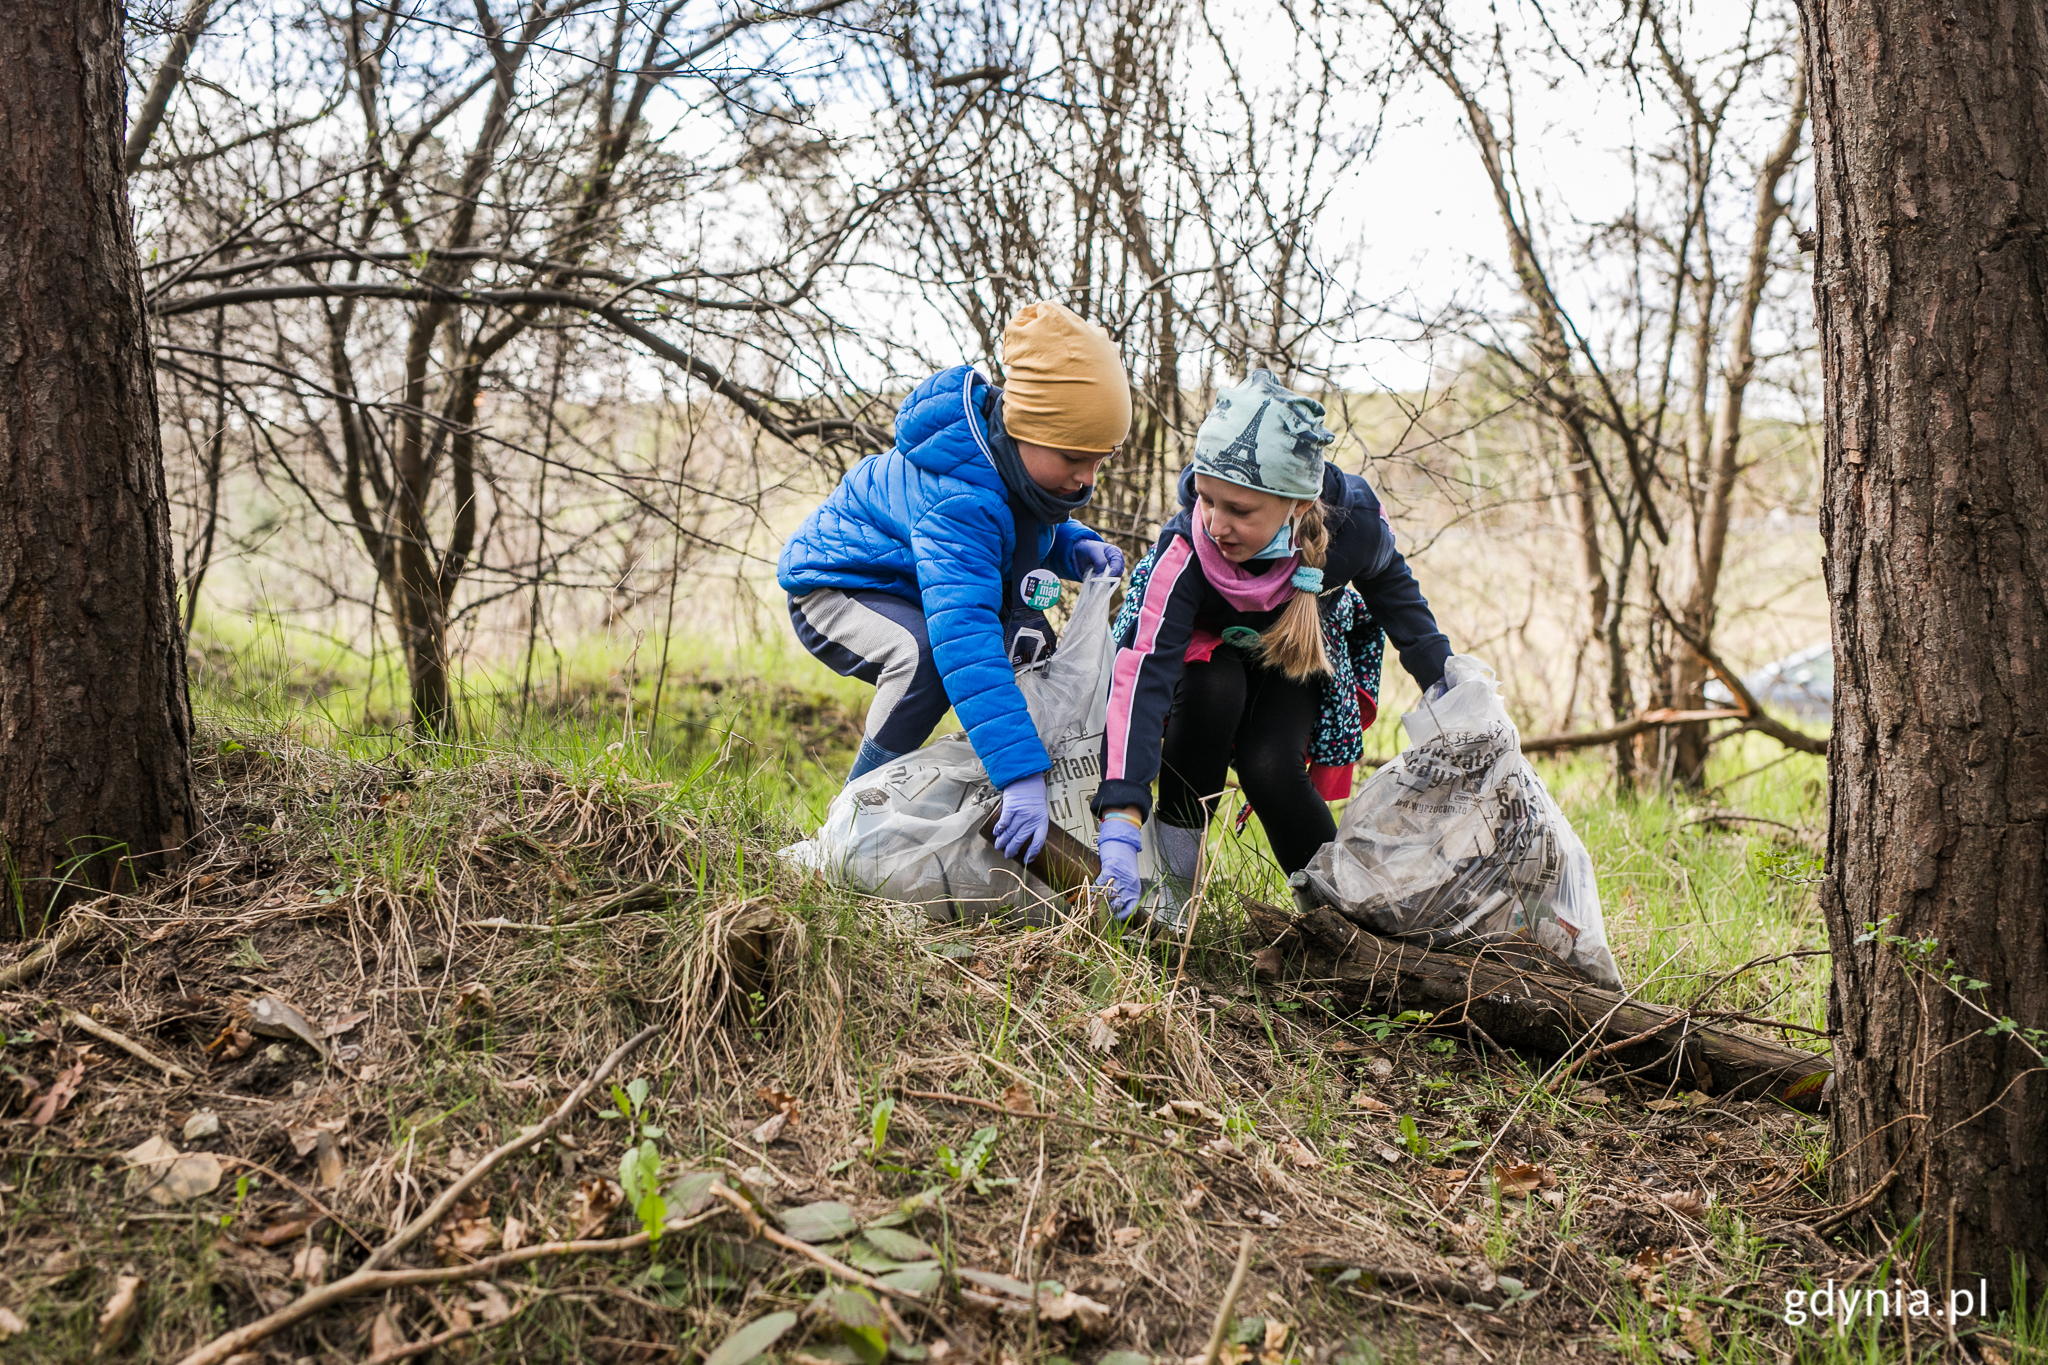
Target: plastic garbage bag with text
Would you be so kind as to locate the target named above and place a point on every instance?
(910, 830)
(1457, 841)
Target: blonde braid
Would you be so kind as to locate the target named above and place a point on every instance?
(1294, 643)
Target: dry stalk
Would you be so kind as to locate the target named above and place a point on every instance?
(1230, 1293)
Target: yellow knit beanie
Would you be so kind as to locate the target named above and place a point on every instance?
(1064, 383)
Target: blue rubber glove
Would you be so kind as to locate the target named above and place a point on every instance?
(1435, 691)
(1020, 829)
(1117, 842)
(1093, 557)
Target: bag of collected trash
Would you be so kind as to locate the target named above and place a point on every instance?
(911, 830)
(1457, 842)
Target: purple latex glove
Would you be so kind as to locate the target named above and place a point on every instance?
(1093, 557)
(1021, 828)
(1117, 843)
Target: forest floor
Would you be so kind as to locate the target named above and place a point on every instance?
(859, 1135)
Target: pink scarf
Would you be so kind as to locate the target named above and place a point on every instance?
(1242, 588)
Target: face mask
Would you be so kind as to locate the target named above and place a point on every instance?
(1282, 542)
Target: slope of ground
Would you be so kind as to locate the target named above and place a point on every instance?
(945, 1117)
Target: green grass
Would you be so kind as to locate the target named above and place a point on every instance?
(390, 851)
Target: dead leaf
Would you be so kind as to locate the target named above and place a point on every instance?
(1017, 1098)
(1362, 1100)
(279, 1233)
(190, 1176)
(514, 1236)
(1381, 1069)
(1693, 1327)
(1691, 1203)
(1387, 1154)
(1101, 1034)
(1127, 1237)
(1188, 1111)
(785, 1114)
(236, 1043)
(310, 1265)
(1266, 961)
(1671, 1350)
(1273, 1351)
(305, 1139)
(342, 1023)
(1663, 1105)
(11, 1324)
(270, 1017)
(1089, 1315)
(384, 1335)
(1192, 1200)
(1519, 1182)
(491, 1304)
(596, 1202)
(59, 1094)
(117, 1319)
(472, 1001)
(1296, 1151)
(327, 1161)
(467, 1239)
(159, 1170)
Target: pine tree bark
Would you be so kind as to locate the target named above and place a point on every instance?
(95, 778)
(1930, 121)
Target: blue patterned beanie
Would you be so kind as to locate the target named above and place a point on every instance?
(1263, 435)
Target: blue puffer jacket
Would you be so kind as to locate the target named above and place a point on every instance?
(930, 522)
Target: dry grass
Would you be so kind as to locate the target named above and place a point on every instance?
(502, 924)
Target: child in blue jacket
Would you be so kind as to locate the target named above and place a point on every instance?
(927, 571)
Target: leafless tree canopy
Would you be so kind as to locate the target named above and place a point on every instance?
(474, 307)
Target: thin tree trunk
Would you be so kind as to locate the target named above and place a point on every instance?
(166, 82)
(1931, 287)
(95, 777)
(1710, 540)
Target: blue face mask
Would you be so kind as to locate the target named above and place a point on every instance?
(1282, 542)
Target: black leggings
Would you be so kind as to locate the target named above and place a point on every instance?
(1231, 713)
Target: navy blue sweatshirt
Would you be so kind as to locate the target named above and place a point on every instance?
(1178, 597)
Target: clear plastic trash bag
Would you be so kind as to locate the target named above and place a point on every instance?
(1458, 842)
(910, 830)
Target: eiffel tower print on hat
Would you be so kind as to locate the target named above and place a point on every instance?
(1263, 435)
(1239, 461)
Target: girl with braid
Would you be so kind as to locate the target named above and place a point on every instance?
(1250, 639)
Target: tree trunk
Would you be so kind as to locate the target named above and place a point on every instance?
(95, 778)
(1720, 465)
(1931, 291)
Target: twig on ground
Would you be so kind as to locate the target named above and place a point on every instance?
(1718, 982)
(84, 922)
(1617, 1045)
(1221, 1328)
(87, 1024)
(363, 1282)
(371, 1276)
(759, 1227)
(435, 1211)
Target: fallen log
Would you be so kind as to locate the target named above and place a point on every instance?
(1509, 993)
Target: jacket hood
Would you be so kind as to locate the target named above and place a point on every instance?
(940, 428)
